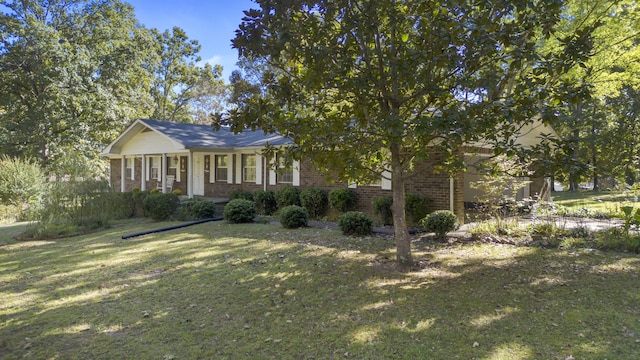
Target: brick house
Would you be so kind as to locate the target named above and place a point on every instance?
(212, 164)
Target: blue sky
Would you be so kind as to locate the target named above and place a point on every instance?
(211, 22)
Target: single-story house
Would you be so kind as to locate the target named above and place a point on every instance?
(202, 162)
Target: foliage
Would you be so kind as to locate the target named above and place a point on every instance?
(203, 209)
(161, 206)
(366, 88)
(293, 216)
(617, 239)
(266, 203)
(502, 177)
(498, 228)
(287, 195)
(177, 192)
(440, 222)
(241, 194)
(75, 206)
(240, 211)
(179, 82)
(342, 200)
(355, 223)
(67, 70)
(10, 213)
(315, 201)
(21, 182)
(382, 208)
(417, 207)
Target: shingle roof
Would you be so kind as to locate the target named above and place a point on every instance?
(203, 136)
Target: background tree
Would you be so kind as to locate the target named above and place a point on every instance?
(376, 86)
(587, 91)
(70, 74)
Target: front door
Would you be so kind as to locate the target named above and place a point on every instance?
(198, 174)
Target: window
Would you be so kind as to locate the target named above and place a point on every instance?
(172, 162)
(248, 168)
(285, 173)
(154, 166)
(129, 172)
(222, 167)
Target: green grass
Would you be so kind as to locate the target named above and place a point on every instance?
(605, 201)
(260, 291)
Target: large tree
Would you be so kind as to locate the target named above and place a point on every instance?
(611, 71)
(71, 73)
(373, 87)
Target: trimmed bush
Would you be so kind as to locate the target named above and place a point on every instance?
(287, 195)
(203, 209)
(342, 200)
(241, 194)
(417, 207)
(161, 206)
(315, 201)
(293, 216)
(265, 202)
(355, 223)
(440, 222)
(239, 211)
(382, 208)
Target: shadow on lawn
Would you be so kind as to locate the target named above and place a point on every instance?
(224, 291)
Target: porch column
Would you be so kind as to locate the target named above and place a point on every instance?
(143, 173)
(190, 175)
(123, 174)
(163, 171)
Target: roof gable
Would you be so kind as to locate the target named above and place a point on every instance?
(185, 136)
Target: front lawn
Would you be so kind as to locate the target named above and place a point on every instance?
(260, 291)
(603, 201)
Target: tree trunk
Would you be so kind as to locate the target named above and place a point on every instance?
(573, 174)
(401, 232)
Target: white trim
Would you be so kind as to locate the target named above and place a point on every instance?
(238, 162)
(190, 176)
(352, 185)
(123, 174)
(451, 195)
(163, 173)
(296, 172)
(258, 169)
(272, 171)
(386, 180)
(143, 178)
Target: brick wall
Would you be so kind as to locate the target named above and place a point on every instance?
(423, 181)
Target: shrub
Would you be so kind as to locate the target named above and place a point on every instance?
(177, 192)
(382, 207)
(342, 200)
(315, 201)
(355, 223)
(240, 211)
(265, 202)
(417, 207)
(287, 195)
(203, 209)
(9, 213)
(293, 216)
(241, 194)
(440, 222)
(87, 204)
(21, 182)
(161, 206)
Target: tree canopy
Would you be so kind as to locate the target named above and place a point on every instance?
(74, 73)
(373, 87)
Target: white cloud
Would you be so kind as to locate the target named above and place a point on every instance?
(228, 64)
